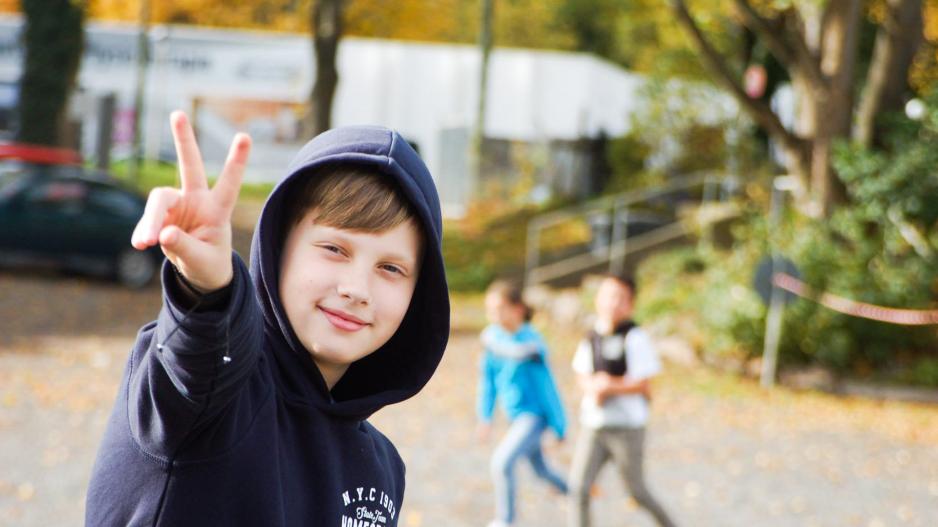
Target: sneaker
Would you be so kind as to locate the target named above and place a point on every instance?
(498, 523)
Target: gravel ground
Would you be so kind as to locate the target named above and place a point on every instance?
(721, 452)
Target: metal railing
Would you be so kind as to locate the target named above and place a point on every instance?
(614, 211)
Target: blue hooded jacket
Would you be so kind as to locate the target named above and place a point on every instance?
(223, 418)
(520, 380)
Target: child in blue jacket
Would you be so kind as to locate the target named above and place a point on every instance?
(514, 371)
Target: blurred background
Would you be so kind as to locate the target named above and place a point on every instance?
(766, 169)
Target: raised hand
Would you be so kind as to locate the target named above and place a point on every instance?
(193, 224)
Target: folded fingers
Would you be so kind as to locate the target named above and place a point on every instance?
(160, 201)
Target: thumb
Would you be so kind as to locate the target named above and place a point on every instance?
(195, 259)
(182, 249)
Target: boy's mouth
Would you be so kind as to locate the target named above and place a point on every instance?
(343, 320)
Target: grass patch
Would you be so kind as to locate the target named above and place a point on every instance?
(160, 174)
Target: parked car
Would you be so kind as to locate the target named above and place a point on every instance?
(72, 218)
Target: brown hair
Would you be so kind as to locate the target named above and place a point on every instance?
(513, 294)
(624, 279)
(344, 196)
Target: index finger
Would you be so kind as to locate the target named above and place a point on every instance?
(191, 170)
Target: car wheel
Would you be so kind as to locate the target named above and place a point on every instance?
(134, 268)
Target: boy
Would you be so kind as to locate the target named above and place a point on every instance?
(245, 402)
(614, 366)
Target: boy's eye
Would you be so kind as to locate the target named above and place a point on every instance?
(331, 248)
(392, 269)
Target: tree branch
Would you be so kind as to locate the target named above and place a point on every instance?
(759, 111)
(787, 46)
(763, 27)
(807, 62)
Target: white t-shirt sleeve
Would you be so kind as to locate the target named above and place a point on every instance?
(643, 361)
(583, 358)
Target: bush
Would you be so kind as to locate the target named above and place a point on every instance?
(626, 156)
(489, 243)
(879, 249)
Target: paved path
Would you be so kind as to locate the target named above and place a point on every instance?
(721, 452)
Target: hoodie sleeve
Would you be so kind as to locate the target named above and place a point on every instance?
(485, 404)
(549, 394)
(189, 365)
(556, 417)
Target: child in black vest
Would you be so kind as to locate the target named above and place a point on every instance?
(614, 365)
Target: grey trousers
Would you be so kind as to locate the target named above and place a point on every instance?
(625, 446)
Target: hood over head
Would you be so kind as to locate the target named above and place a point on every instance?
(404, 364)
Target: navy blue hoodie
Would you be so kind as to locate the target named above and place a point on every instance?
(222, 417)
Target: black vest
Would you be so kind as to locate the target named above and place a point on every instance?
(619, 366)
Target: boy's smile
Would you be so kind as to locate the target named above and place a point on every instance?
(346, 292)
(342, 320)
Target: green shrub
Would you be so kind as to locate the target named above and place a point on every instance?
(161, 174)
(880, 248)
(488, 244)
(626, 156)
(924, 372)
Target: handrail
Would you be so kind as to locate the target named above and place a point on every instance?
(623, 198)
(617, 243)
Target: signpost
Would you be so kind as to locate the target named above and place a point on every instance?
(777, 298)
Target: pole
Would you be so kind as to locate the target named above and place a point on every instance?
(618, 232)
(532, 259)
(773, 320)
(143, 57)
(705, 243)
(485, 48)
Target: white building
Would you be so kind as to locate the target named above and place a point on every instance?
(259, 82)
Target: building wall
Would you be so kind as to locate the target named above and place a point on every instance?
(259, 82)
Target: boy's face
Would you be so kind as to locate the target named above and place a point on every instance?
(346, 292)
(613, 301)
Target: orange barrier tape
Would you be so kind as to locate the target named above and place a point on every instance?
(906, 317)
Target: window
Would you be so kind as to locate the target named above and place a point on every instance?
(114, 201)
(57, 193)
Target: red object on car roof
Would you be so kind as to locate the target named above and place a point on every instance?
(47, 155)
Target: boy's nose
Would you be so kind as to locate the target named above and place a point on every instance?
(354, 290)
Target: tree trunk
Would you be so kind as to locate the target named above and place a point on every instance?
(840, 30)
(897, 42)
(327, 30)
(485, 51)
(54, 39)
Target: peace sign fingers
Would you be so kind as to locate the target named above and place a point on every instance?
(191, 170)
(229, 181)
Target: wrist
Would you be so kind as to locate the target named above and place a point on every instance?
(205, 285)
(210, 288)
(201, 287)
